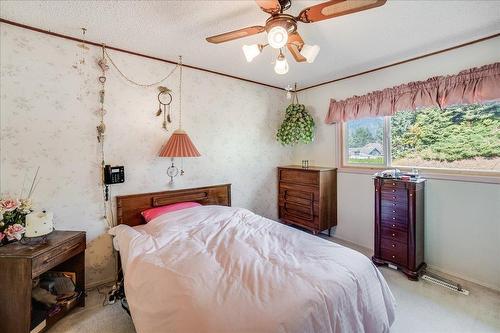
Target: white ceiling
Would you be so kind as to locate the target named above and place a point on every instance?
(349, 44)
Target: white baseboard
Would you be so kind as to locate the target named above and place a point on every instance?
(434, 268)
(452, 275)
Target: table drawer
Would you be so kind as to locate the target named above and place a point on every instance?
(393, 234)
(55, 256)
(299, 176)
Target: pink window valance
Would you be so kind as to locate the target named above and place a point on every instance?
(475, 85)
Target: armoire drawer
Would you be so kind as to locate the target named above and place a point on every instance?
(400, 196)
(393, 234)
(394, 251)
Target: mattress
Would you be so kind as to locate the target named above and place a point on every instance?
(223, 269)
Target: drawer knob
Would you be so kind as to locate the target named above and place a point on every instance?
(393, 190)
(394, 225)
(393, 257)
(393, 245)
(393, 235)
(393, 184)
(394, 204)
(394, 197)
(393, 211)
(393, 218)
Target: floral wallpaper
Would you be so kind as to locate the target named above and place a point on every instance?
(49, 103)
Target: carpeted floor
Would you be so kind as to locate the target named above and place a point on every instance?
(421, 307)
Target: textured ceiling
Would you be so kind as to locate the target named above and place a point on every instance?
(349, 44)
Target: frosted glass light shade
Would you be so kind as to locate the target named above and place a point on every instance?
(281, 66)
(310, 52)
(277, 37)
(251, 51)
(179, 145)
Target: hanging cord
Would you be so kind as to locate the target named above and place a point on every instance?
(295, 98)
(144, 85)
(101, 129)
(180, 92)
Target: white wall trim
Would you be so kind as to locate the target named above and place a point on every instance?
(429, 175)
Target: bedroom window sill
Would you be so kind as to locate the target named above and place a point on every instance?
(429, 173)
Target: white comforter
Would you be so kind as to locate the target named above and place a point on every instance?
(222, 269)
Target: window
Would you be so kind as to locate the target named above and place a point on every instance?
(465, 137)
(365, 141)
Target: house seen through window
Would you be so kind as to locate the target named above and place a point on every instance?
(464, 137)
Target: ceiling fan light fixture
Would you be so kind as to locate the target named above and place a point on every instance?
(251, 51)
(310, 52)
(281, 66)
(277, 37)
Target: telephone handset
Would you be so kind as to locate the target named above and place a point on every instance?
(114, 175)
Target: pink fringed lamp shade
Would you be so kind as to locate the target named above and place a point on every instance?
(179, 145)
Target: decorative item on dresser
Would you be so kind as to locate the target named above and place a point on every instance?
(399, 225)
(21, 265)
(307, 197)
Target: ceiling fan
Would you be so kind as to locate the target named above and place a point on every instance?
(282, 28)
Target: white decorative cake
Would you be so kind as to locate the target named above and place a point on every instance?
(39, 224)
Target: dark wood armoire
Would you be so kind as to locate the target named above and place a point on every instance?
(307, 197)
(399, 225)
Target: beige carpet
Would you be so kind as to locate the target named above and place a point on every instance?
(421, 307)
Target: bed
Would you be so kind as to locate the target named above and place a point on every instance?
(215, 268)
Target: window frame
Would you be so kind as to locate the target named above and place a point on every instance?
(488, 176)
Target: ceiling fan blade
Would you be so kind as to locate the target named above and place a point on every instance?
(334, 8)
(269, 6)
(294, 45)
(227, 36)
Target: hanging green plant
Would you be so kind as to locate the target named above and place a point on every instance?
(298, 126)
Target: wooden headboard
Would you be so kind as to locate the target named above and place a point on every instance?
(129, 207)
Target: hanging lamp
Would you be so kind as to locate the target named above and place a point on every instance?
(179, 144)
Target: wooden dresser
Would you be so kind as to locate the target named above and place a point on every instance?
(308, 197)
(20, 264)
(399, 225)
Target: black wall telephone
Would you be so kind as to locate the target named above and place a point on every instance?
(114, 175)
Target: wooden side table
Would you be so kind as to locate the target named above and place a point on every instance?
(20, 264)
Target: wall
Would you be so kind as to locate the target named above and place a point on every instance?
(462, 220)
(48, 119)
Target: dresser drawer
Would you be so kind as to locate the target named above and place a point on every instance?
(300, 210)
(394, 252)
(55, 256)
(297, 196)
(393, 234)
(299, 176)
(294, 217)
(297, 192)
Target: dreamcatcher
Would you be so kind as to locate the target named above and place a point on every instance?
(164, 101)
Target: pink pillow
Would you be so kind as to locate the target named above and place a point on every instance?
(150, 214)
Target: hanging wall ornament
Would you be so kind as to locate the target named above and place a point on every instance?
(164, 101)
(298, 125)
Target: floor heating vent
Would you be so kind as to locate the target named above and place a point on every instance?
(445, 283)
